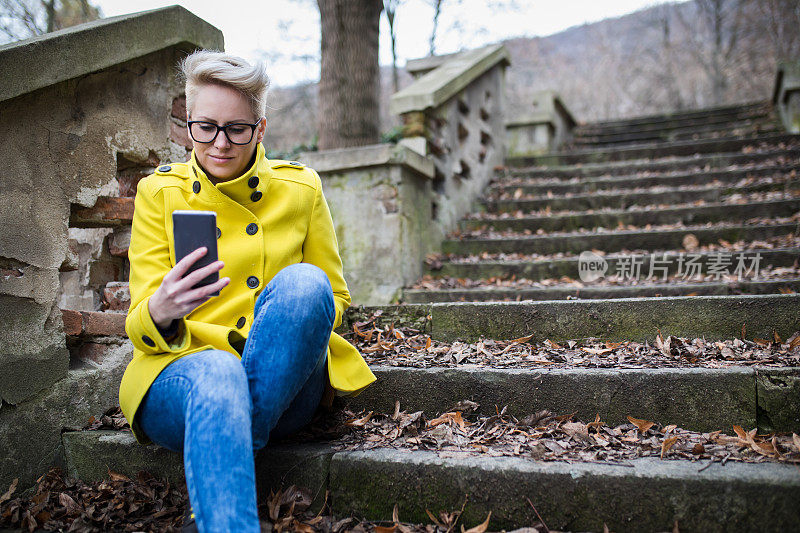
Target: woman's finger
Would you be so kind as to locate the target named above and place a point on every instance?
(184, 264)
(191, 279)
(201, 294)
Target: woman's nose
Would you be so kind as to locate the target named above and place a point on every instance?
(222, 140)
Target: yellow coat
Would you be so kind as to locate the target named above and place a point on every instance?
(294, 225)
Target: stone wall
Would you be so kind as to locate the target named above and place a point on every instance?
(79, 130)
(546, 128)
(786, 95)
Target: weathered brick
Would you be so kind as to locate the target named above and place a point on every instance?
(129, 180)
(179, 107)
(73, 321)
(93, 351)
(179, 134)
(102, 272)
(119, 241)
(116, 296)
(107, 211)
(104, 323)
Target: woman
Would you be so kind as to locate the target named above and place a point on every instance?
(218, 376)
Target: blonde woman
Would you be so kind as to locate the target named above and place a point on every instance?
(217, 376)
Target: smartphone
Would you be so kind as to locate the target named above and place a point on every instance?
(193, 230)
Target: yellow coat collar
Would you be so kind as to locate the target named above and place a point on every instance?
(240, 189)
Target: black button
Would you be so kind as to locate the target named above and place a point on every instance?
(253, 182)
(241, 322)
(148, 341)
(219, 233)
(252, 282)
(164, 168)
(252, 228)
(295, 163)
(196, 187)
(256, 196)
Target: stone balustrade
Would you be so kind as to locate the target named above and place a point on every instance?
(786, 96)
(547, 128)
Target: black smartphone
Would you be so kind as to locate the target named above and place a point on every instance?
(193, 230)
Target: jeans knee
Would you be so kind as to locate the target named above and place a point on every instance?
(306, 282)
(223, 387)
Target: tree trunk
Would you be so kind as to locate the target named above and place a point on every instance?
(349, 87)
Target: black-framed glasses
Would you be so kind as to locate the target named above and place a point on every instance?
(237, 133)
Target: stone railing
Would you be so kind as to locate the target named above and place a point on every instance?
(455, 112)
(786, 96)
(380, 201)
(84, 113)
(547, 128)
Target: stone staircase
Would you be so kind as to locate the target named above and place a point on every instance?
(717, 186)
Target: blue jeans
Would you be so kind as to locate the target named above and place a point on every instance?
(219, 409)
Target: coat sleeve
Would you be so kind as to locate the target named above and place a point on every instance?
(149, 258)
(321, 249)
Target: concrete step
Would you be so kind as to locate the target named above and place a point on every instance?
(534, 167)
(626, 198)
(613, 241)
(661, 121)
(686, 214)
(569, 266)
(634, 319)
(660, 150)
(726, 178)
(566, 291)
(649, 494)
(679, 131)
(698, 399)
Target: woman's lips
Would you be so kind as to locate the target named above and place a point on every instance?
(220, 159)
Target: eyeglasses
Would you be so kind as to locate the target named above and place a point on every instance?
(206, 132)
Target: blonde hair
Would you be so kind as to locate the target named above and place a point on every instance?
(210, 66)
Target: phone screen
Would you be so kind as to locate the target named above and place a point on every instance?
(193, 230)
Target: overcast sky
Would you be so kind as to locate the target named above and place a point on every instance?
(285, 33)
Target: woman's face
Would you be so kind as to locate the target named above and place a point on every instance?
(223, 105)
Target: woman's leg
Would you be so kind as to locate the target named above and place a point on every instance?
(286, 346)
(201, 404)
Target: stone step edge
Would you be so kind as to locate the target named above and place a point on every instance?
(713, 175)
(627, 189)
(369, 483)
(669, 254)
(586, 292)
(622, 233)
(499, 205)
(643, 162)
(678, 115)
(622, 319)
(694, 398)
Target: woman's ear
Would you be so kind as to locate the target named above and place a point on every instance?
(261, 129)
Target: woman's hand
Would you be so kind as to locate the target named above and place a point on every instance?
(175, 297)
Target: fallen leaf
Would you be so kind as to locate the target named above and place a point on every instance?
(670, 428)
(698, 449)
(479, 528)
(552, 345)
(359, 422)
(13, 487)
(385, 529)
(667, 444)
(642, 425)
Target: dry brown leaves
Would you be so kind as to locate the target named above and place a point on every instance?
(150, 504)
(384, 344)
(545, 436)
(119, 504)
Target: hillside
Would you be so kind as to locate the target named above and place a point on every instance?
(657, 59)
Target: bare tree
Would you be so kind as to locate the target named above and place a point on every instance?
(713, 34)
(21, 19)
(349, 87)
(390, 8)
